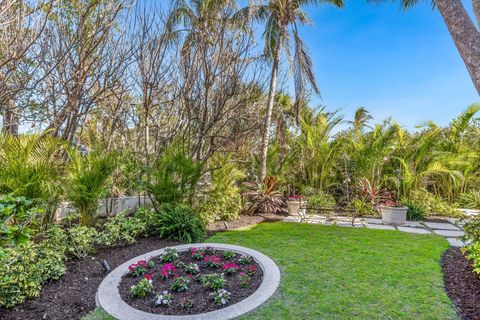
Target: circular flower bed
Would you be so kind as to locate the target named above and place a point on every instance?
(200, 281)
(194, 281)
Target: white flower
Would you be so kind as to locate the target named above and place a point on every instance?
(223, 301)
(165, 301)
(165, 292)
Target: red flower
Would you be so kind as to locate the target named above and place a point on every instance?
(229, 265)
(131, 268)
(143, 263)
(148, 277)
(167, 270)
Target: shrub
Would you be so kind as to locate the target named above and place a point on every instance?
(181, 223)
(173, 177)
(433, 204)
(123, 229)
(150, 218)
(415, 211)
(223, 201)
(25, 269)
(17, 217)
(180, 284)
(318, 199)
(213, 281)
(81, 240)
(264, 197)
(472, 235)
(470, 200)
(86, 181)
(363, 208)
(142, 288)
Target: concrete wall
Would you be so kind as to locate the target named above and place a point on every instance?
(108, 206)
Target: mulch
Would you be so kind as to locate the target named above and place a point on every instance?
(202, 302)
(461, 283)
(73, 295)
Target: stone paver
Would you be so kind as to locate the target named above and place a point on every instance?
(413, 224)
(372, 221)
(451, 229)
(414, 230)
(449, 233)
(442, 226)
(379, 226)
(454, 242)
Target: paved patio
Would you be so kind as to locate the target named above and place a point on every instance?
(450, 228)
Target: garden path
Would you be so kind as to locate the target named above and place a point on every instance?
(449, 228)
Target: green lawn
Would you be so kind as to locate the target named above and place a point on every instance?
(345, 273)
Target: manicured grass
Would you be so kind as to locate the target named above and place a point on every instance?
(345, 273)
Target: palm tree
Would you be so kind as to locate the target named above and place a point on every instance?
(281, 18)
(462, 29)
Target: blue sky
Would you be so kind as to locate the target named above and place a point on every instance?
(392, 62)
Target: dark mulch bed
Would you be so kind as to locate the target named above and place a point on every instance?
(73, 295)
(461, 283)
(196, 291)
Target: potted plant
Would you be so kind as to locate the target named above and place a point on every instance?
(293, 204)
(393, 213)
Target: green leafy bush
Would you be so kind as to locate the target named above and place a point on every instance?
(81, 240)
(25, 269)
(363, 208)
(224, 200)
(174, 177)
(150, 218)
(318, 198)
(17, 217)
(181, 223)
(472, 236)
(470, 200)
(86, 181)
(433, 204)
(123, 229)
(415, 210)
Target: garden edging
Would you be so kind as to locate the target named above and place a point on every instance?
(108, 296)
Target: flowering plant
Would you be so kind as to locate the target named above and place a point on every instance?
(230, 268)
(213, 261)
(187, 303)
(140, 268)
(244, 280)
(244, 260)
(220, 297)
(197, 253)
(295, 197)
(169, 255)
(213, 281)
(252, 270)
(209, 250)
(229, 255)
(164, 299)
(180, 284)
(168, 270)
(191, 268)
(143, 287)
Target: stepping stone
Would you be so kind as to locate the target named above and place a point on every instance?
(413, 224)
(442, 226)
(291, 219)
(379, 226)
(414, 230)
(372, 221)
(449, 233)
(454, 242)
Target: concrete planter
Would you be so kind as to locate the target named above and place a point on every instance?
(394, 215)
(108, 296)
(294, 209)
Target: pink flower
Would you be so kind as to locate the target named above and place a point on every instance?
(143, 263)
(167, 270)
(213, 259)
(229, 265)
(131, 268)
(148, 277)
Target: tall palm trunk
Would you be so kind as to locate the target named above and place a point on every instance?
(268, 116)
(464, 34)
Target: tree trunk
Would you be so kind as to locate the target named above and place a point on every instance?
(464, 34)
(268, 117)
(10, 119)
